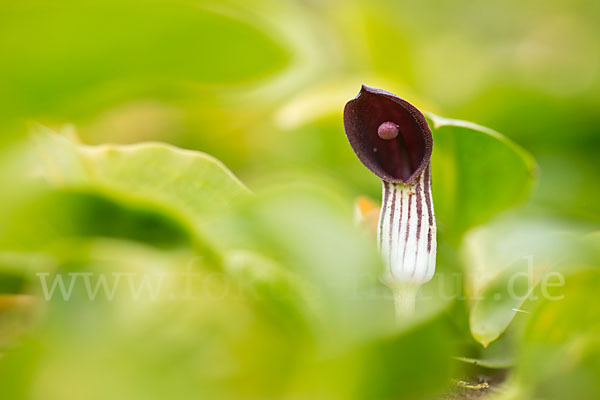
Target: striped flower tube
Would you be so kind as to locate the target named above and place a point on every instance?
(392, 139)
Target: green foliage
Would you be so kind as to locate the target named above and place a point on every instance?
(188, 184)
(476, 173)
(508, 260)
(559, 355)
(230, 294)
(141, 43)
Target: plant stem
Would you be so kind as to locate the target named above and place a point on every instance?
(405, 296)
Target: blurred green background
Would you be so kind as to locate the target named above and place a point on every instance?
(260, 85)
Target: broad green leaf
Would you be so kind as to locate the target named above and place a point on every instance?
(308, 229)
(393, 367)
(413, 364)
(559, 353)
(185, 315)
(477, 173)
(84, 213)
(504, 264)
(500, 301)
(285, 297)
(310, 233)
(188, 185)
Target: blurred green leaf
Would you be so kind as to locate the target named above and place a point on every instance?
(190, 186)
(71, 212)
(507, 260)
(477, 173)
(411, 364)
(560, 351)
(499, 302)
(308, 230)
(284, 296)
(185, 316)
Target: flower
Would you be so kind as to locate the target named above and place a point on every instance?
(392, 139)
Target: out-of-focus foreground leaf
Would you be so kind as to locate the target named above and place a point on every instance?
(190, 186)
(296, 308)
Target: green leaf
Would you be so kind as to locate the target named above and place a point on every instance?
(286, 298)
(392, 366)
(500, 301)
(308, 230)
(559, 353)
(184, 315)
(504, 264)
(413, 364)
(189, 186)
(477, 173)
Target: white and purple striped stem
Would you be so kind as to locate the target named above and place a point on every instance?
(406, 238)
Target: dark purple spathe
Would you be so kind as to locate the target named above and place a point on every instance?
(399, 160)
